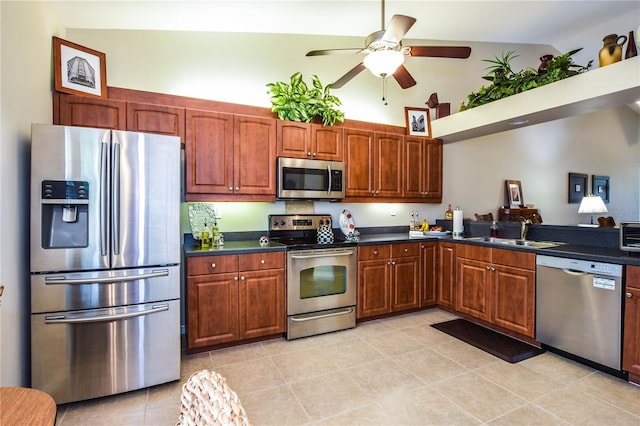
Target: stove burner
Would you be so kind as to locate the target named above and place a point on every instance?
(300, 232)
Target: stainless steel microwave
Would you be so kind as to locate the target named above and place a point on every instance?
(299, 178)
(630, 236)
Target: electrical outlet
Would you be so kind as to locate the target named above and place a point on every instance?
(393, 212)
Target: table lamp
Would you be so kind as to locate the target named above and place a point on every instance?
(592, 204)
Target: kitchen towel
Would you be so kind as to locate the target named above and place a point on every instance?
(458, 226)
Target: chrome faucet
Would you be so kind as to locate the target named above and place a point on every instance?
(523, 227)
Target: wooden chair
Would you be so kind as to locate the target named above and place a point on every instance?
(206, 400)
(487, 217)
(606, 222)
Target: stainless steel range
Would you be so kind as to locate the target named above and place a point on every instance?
(321, 278)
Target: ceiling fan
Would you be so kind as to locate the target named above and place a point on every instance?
(385, 53)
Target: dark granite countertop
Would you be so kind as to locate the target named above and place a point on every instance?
(230, 247)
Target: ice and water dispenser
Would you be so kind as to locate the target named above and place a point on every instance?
(65, 211)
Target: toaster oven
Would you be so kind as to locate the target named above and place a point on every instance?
(630, 236)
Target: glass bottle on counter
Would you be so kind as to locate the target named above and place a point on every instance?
(449, 213)
(204, 237)
(494, 229)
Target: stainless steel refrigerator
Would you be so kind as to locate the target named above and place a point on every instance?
(105, 261)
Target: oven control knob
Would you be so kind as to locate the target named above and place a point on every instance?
(283, 222)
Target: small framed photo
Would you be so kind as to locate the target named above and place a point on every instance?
(513, 189)
(78, 70)
(577, 187)
(418, 121)
(600, 186)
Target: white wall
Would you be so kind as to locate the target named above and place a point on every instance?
(236, 68)
(25, 85)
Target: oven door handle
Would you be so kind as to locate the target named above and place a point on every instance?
(61, 319)
(315, 255)
(315, 317)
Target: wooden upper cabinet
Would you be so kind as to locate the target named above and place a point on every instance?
(71, 110)
(209, 152)
(422, 168)
(254, 143)
(388, 165)
(160, 119)
(358, 154)
(308, 140)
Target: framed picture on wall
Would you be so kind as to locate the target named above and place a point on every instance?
(600, 186)
(78, 70)
(418, 121)
(577, 187)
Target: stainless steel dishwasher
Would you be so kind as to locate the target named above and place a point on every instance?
(579, 309)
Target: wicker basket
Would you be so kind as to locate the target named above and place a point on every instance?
(207, 400)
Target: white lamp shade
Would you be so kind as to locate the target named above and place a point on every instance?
(383, 63)
(592, 204)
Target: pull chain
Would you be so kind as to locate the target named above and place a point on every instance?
(384, 91)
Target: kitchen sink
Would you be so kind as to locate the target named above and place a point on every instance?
(515, 242)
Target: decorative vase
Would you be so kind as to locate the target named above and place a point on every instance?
(611, 52)
(631, 47)
(544, 62)
(325, 230)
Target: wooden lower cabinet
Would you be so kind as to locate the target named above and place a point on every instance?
(234, 297)
(428, 274)
(497, 286)
(388, 279)
(446, 265)
(631, 344)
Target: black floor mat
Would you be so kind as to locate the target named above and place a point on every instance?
(500, 345)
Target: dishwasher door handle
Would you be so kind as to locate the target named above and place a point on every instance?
(575, 272)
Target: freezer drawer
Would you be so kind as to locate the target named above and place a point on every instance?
(102, 289)
(80, 355)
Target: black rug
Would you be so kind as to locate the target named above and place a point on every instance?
(497, 344)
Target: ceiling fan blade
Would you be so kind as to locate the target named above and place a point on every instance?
(348, 76)
(459, 52)
(333, 51)
(403, 77)
(398, 27)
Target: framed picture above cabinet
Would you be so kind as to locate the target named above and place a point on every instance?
(79, 70)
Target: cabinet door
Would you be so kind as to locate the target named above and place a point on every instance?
(161, 119)
(428, 274)
(358, 154)
(212, 309)
(388, 165)
(209, 152)
(473, 292)
(413, 167)
(514, 299)
(446, 275)
(261, 303)
(631, 344)
(405, 283)
(293, 139)
(326, 142)
(254, 155)
(432, 175)
(374, 288)
(90, 112)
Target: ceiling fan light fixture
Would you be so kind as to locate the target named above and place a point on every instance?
(383, 63)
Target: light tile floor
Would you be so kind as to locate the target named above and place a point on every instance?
(395, 371)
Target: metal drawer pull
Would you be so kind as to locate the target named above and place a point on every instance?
(60, 319)
(629, 295)
(213, 265)
(333, 314)
(64, 280)
(262, 261)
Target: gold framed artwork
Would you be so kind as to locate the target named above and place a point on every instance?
(79, 70)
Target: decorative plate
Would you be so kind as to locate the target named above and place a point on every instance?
(346, 223)
(201, 217)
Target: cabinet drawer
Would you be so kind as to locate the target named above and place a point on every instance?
(206, 265)
(517, 259)
(470, 251)
(405, 250)
(374, 252)
(260, 261)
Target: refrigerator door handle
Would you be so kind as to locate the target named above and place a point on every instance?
(116, 195)
(61, 319)
(90, 280)
(104, 193)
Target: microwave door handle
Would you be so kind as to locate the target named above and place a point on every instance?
(329, 180)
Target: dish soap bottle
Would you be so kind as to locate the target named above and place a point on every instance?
(449, 213)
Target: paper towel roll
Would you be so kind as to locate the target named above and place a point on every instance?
(458, 226)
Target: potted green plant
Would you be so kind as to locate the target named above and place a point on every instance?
(505, 82)
(296, 101)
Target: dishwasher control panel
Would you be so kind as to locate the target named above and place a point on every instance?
(577, 265)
